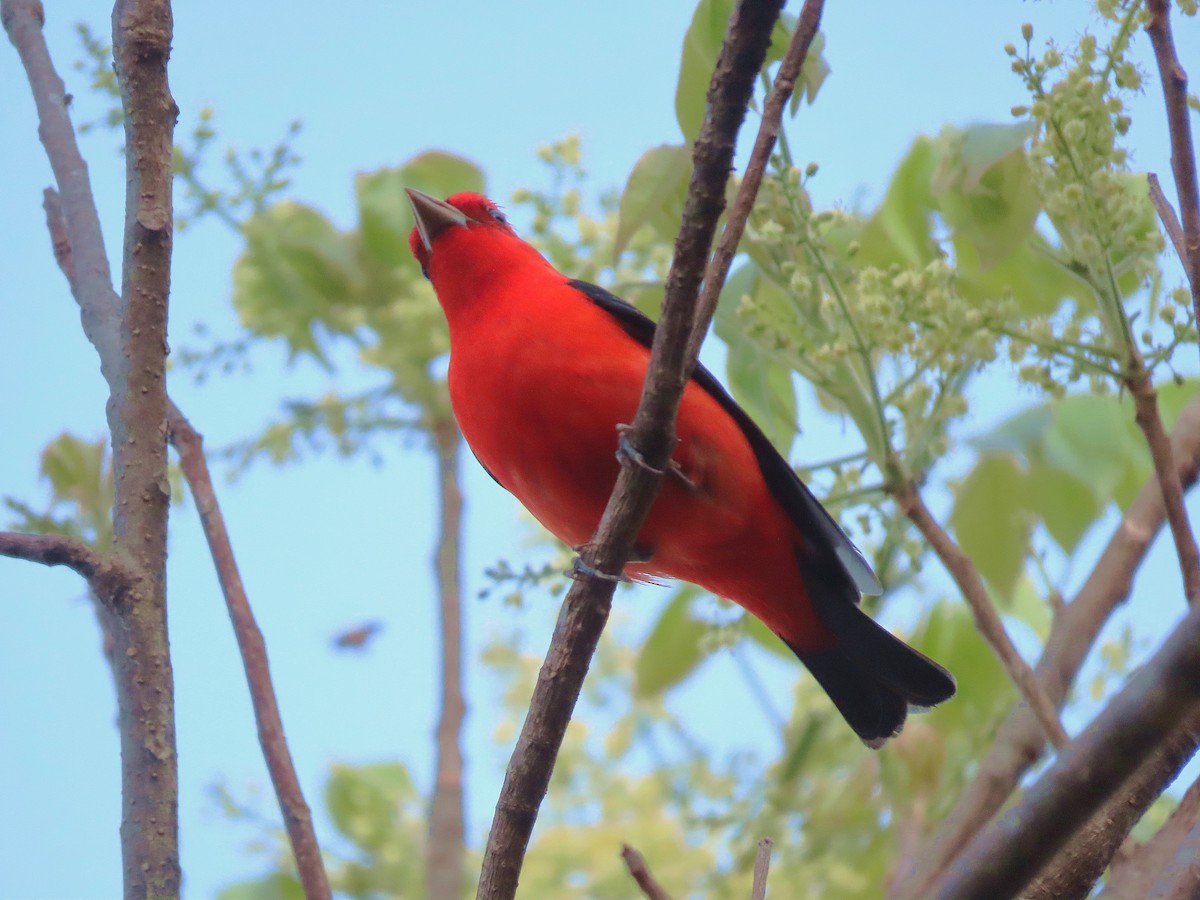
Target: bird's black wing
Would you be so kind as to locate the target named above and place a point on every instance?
(828, 541)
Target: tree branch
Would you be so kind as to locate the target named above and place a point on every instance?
(103, 572)
(1168, 865)
(99, 306)
(1145, 713)
(297, 817)
(1146, 415)
(636, 865)
(145, 692)
(987, 620)
(807, 26)
(129, 334)
(586, 607)
(1020, 739)
(1183, 155)
(444, 855)
(1166, 215)
(762, 864)
(1073, 872)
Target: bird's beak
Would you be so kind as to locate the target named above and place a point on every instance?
(433, 216)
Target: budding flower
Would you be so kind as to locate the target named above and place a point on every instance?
(1027, 31)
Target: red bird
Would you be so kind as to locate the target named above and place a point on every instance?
(542, 371)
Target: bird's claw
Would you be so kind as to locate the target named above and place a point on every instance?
(581, 570)
(626, 451)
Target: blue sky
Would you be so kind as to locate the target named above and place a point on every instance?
(330, 543)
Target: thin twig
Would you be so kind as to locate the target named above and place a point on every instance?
(103, 572)
(636, 865)
(1020, 739)
(971, 585)
(1145, 400)
(297, 817)
(586, 607)
(1166, 215)
(99, 305)
(762, 864)
(807, 26)
(445, 851)
(1183, 155)
(1002, 859)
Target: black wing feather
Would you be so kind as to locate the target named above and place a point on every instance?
(828, 544)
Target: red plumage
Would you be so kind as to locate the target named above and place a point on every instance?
(543, 369)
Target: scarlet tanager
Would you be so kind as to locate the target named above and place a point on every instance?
(542, 371)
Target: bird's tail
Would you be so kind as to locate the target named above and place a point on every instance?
(872, 676)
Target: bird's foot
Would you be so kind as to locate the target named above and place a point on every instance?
(581, 570)
(626, 451)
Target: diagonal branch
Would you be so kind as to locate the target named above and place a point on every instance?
(1144, 714)
(1183, 155)
(297, 817)
(1079, 865)
(586, 607)
(1145, 400)
(1167, 865)
(970, 584)
(1020, 740)
(647, 883)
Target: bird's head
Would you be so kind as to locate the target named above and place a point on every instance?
(438, 219)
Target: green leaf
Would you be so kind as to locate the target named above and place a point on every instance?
(759, 383)
(1067, 506)
(1027, 605)
(674, 647)
(701, 46)
(992, 521)
(1037, 283)
(277, 886)
(366, 802)
(899, 230)
(984, 187)
(295, 270)
(654, 194)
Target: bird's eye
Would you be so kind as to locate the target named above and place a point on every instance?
(497, 215)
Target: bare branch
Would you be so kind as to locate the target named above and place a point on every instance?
(1166, 214)
(296, 815)
(1145, 400)
(1168, 865)
(444, 856)
(970, 584)
(762, 864)
(586, 607)
(1183, 154)
(103, 573)
(1145, 713)
(764, 144)
(1073, 872)
(98, 304)
(1020, 739)
(138, 405)
(129, 334)
(636, 865)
